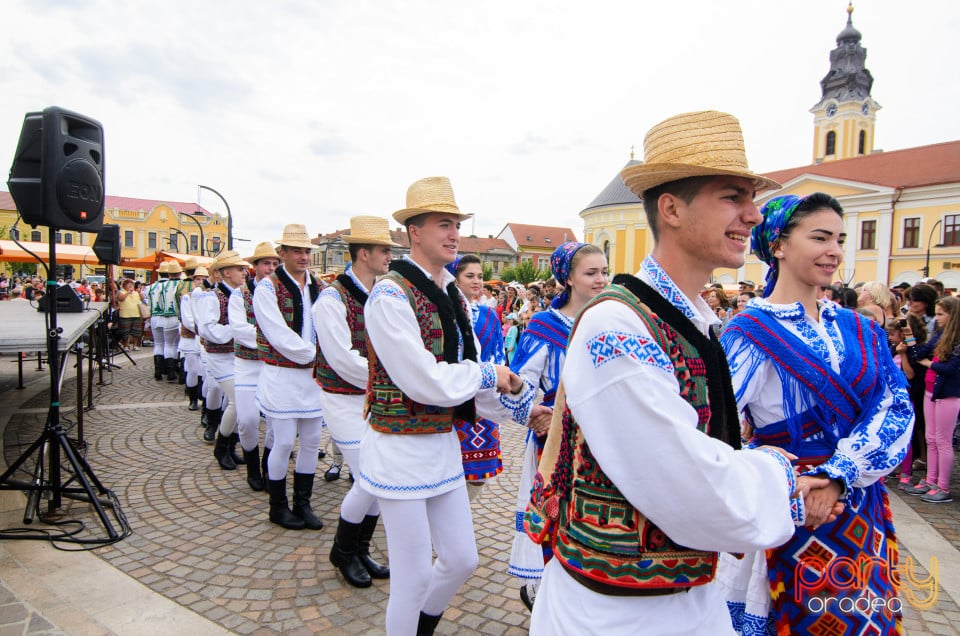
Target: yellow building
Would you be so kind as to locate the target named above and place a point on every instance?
(146, 225)
(902, 208)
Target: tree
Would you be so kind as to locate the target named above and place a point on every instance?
(487, 270)
(526, 272)
(508, 274)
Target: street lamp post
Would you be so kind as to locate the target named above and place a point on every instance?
(202, 240)
(186, 239)
(229, 216)
(926, 267)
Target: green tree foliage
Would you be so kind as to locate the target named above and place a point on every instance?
(508, 274)
(487, 271)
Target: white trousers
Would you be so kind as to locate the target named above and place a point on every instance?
(415, 529)
(285, 433)
(357, 503)
(228, 421)
(191, 364)
(248, 417)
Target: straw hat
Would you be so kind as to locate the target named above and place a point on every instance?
(295, 235)
(164, 268)
(433, 194)
(200, 271)
(230, 258)
(190, 263)
(173, 267)
(369, 230)
(701, 144)
(263, 250)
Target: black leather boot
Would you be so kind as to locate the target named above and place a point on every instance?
(173, 373)
(263, 462)
(237, 459)
(280, 513)
(428, 624)
(302, 491)
(213, 424)
(158, 367)
(221, 450)
(367, 526)
(343, 554)
(193, 392)
(254, 476)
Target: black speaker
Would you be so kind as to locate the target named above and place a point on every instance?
(67, 301)
(57, 175)
(107, 245)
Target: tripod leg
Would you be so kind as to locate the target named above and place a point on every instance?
(82, 470)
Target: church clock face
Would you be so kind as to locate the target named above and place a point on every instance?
(832, 110)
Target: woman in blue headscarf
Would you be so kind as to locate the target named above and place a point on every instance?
(818, 381)
(582, 270)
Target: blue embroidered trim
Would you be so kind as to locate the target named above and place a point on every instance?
(264, 282)
(520, 407)
(610, 345)
(525, 573)
(330, 292)
(785, 464)
(303, 413)
(839, 467)
(405, 488)
(389, 289)
(348, 443)
(749, 624)
(518, 526)
(662, 282)
(488, 375)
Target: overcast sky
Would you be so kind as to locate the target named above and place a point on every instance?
(311, 112)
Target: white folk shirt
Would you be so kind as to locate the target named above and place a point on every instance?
(422, 466)
(246, 372)
(206, 313)
(343, 413)
(702, 493)
(282, 392)
(187, 345)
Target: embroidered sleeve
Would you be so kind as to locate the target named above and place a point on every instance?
(610, 345)
(330, 292)
(488, 375)
(797, 509)
(388, 289)
(520, 405)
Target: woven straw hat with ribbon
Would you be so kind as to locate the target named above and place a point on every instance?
(369, 230)
(173, 267)
(295, 235)
(263, 250)
(164, 268)
(230, 258)
(190, 263)
(433, 194)
(200, 271)
(701, 144)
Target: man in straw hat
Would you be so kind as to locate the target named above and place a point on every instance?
(342, 371)
(247, 364)
(670, 470)
(423, 376)
(214, 326)
(286, 393)
(189, 347)
(164, 323)
(184, 287)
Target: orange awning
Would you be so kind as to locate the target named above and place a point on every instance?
(150, 261)
(66, 254)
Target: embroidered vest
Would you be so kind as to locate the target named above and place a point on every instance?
(245, 353)
(160, 296)
(391, 410)
(183, 287)
(327, 378)
(265, 350)
(226, 347)
(596, 532)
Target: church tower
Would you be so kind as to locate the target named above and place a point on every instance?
(845, 116)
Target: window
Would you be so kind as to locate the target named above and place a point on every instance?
(868, 235)
(35, 236)
(831, 143)
(128, 238)
(173, 240)
(68, 239)
(951, 230)
(862, 147)
(151, 240)
(911, 232)
(194, 243)
(216, 244)
(58, 237)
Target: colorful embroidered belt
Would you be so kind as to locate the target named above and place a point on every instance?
(614, 590)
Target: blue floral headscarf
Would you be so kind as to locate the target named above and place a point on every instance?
(452, 266)
(560, 262)
(776, 214)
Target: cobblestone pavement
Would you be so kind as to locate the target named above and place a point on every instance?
(202, 539)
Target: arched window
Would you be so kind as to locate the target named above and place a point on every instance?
(831, 143)
(606, 250)
(862, 147)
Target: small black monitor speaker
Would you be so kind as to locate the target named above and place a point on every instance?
(67, 301)
(107, 245)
